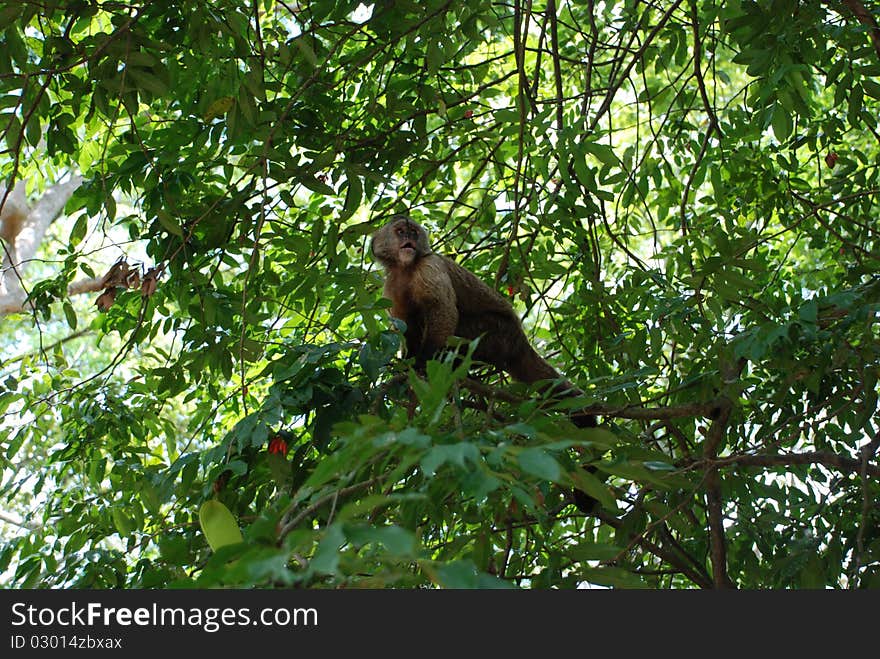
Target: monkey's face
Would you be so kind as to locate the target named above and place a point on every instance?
(408, 239)
(401, 241)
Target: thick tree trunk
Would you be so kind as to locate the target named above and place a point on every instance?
(22, 229)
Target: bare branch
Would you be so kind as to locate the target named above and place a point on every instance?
(9, 519)
(15, 303)
(23, 230)
(827, 459)
(287, 527)
(59, 342)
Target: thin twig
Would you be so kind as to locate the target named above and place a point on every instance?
(327, 498)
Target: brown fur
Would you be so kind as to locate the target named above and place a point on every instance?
(13, 217)
(437, 298)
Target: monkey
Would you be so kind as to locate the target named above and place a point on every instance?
(13, 218)
(437, 298)
(13, 215)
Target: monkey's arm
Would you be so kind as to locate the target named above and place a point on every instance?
(438, 314)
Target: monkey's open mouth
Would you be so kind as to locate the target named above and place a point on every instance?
(408, 245)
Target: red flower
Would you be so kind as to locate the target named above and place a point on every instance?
(468, 114)
(278, 445)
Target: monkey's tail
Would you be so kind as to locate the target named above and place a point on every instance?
(531, 367)
(528, 366)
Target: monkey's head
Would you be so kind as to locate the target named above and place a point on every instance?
(401, 242)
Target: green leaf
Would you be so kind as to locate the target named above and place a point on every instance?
(169, 224)
(459, 454)
(463, 574)
(122, 523)
(280, 469)
(247, 106)
(353, 196)
(396, 540)
(13, 131)
(637, 472)
(594, 551)
(611, 576)
(588, 483)
(79, 230)
(539, 463)
(218, 525)
(603, 152)
(809, 312)
(599, 437)
(218, 108)
(872, 88)
(69, 314)
(326, 558)
(434, 57)
(305, 49)
(148, 81)
(315, 185)
(656, 465)
(782, 123)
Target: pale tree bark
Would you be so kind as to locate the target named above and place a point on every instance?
(13, 216)
(15, 521)
(23, 229)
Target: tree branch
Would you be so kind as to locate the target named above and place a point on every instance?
(24, 239)
(616, 84)
(827, 459)
(863, 16)
(9, 519)
(867, 452)
(332, 496)
(49, 347)
(671, 557)
(714, 504)
(15, 302)
(708, 409)
(557, 66)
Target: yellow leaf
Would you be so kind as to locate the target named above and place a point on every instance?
(218, 525)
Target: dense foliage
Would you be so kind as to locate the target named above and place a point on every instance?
(680, 198)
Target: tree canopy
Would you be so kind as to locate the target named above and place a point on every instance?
(680, 199)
